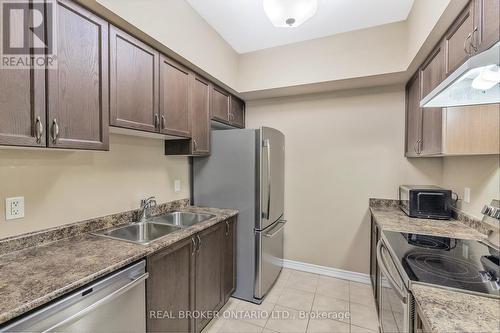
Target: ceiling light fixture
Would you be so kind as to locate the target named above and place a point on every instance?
(289, 13)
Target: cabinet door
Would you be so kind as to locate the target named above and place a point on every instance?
(432, 129)
(134, 83)
(431, 74)
(237, 115)
(220, 105)
(200, 115)
(487, 23)
(209, 295)
(78, 108)
(432, 71)
(456, 39)
(174, 98)
(229, 280)
(413, 117)
(22, 107)
(170, 287)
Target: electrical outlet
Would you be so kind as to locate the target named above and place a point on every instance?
(14, 208)
(467, 195)
(177, 185)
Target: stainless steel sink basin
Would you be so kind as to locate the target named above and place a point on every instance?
(139, 233)
(181, 219)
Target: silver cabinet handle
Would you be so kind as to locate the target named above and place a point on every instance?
(157, 120)
(194, 246)
(466, 45)
(38, 130)
(415, 147)
(99, 303)
(277, 231)
(162, 122)
(420, 144)
(195, 145)
(227, 228)
(382, 265)
(55, 130)
(267, 144)
(199, 243)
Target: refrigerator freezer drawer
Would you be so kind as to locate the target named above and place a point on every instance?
(269, 258)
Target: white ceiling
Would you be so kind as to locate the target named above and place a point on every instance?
(244, 25)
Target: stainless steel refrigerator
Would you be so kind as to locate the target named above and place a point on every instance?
(246, 171)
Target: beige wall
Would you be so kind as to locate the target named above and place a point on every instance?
(372, 51)
(175, 24)
(62, 187)
(377, 51)
(341, 149)
(480, 173)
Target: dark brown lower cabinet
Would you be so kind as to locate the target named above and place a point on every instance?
(170, 288)
(229, 279)
(186, 283)
(209, 296)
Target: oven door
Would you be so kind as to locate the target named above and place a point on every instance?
(395, 302)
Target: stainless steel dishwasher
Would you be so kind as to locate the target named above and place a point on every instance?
(117, 303)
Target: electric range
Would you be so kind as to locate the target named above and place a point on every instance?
(466, 265)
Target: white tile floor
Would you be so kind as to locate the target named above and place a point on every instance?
(295, 295)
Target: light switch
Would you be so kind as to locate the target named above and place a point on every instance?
(177, 185)
(14, 208)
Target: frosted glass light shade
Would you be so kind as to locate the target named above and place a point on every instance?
(289, 13)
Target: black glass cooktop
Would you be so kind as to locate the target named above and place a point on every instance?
(456, 263)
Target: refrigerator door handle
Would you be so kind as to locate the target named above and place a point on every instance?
(267, 145)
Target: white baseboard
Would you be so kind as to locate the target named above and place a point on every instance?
(328, 271)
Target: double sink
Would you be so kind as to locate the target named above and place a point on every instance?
(155, 227)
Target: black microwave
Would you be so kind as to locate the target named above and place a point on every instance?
(427, 202)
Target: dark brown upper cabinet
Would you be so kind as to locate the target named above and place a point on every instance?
(171, 286)
(226, 108)
(134, 83)
(209, 268)
(22, 108)
(413, 117)
(77, 90)
(200, 115)
(174, 98)
(431, 75)
(486, 24)
(432, 70)
(456, 39)
(220, 104)
(237, 114)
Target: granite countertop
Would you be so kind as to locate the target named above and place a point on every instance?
(452, 311)
(33, 276)
(443, 310)
(394, 219)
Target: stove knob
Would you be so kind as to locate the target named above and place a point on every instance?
(496, 284)
(486, 210)
(485, 276)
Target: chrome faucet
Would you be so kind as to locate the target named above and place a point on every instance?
(144, 211)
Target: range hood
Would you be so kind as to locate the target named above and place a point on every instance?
(476, 82)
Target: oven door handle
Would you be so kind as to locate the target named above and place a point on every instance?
(383, 267)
